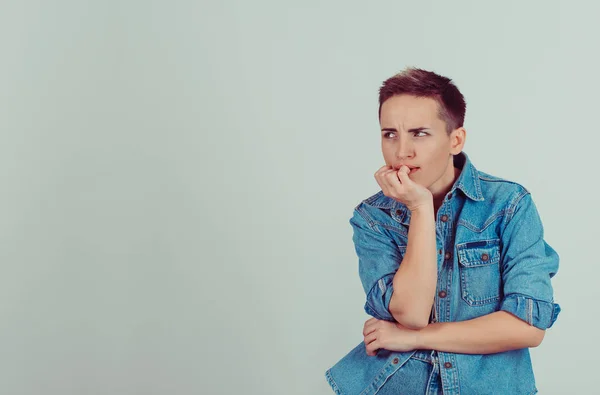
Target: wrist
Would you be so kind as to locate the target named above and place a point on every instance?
(423, 207)
(419, 341)
(423, 337)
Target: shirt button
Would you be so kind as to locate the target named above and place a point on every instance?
(440, 251)
(444, 218)
(395, 361)
(447, 365)
(398, 212)
(442, 294)
(447, 255)
(485, 257)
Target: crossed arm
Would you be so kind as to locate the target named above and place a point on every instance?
(496, 332)
(413, 292)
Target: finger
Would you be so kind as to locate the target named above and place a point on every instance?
(370, 338)
(404, 169)
(367, 327)
(402, 175)
(393, 181)
(370, 328)
(372, 348)
(384, 171)
(381, 171)
(383, 180)
(392, 174)
(384, 188)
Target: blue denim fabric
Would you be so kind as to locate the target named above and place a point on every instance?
(491, 256)
(419, 376)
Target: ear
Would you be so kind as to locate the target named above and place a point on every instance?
(457, 140)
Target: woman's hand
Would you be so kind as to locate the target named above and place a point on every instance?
(398, 186)
(388, 335)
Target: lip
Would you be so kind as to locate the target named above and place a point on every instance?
(411, 168)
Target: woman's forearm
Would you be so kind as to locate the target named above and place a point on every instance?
(496, 332)
(415, 280)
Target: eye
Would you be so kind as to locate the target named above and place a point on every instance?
(421, 134)
(387, 135)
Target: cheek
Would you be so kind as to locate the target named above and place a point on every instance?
(387, 154)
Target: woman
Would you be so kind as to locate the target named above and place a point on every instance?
(453, 262)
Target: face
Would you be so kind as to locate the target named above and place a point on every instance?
(412, 134)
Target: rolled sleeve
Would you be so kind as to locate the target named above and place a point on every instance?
(528, 265)
(535, 312)
(378, 260)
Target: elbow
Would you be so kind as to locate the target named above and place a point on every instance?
(536, 337)
(410, 321)
(415, 325)
(408, 318)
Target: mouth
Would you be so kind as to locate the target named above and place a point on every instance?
(411, 169)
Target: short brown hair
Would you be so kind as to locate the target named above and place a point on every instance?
(423, 83)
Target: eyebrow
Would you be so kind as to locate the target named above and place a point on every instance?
(409, 131)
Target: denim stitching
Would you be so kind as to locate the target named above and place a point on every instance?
(421, 359)
(513, 206)
(381, 284)
(332, 383)
(487, 223)
(469, 298)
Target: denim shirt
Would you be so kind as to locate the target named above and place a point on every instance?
(491, 256)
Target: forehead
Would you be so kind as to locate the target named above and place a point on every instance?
(409, 110)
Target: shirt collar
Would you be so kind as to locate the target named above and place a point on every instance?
(468, 180)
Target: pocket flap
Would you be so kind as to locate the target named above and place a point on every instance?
(479, 253)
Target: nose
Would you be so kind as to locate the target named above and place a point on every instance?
(404, 148)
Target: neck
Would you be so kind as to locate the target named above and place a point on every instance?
(438, 198)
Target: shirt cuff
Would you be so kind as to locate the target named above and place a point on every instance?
(378, 299)
(535, 312)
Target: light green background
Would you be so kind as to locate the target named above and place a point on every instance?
(177, 179)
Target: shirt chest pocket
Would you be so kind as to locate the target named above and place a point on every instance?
(479, 269)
